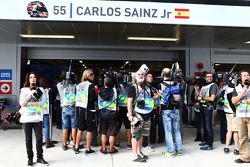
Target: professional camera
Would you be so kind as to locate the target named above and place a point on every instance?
(247, 82)
(177, 75)
(110, 78)
(141, 104)
(135, 121)
(230, 79)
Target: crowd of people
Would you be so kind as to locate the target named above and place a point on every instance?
(146, 109)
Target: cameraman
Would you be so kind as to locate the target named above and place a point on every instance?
(107, 103)
(241, 99)
(140, 95)
(170, 110)
(122, 106)
(207, 99)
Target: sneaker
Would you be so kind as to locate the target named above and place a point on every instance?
(94, 144)
(202, 143)
(129, 147)
(198, 138)
(90, 151)
(80, 146)
(226, 150)
(168, 154)
(30, 162)
(74, 148)
(239, 161)
(179, 153)
(104, 151)
(65, 147)
(42, 161)
(236, 152)
(77, 151)
(139, 159)
(117, 146)
(149, 149)
(206, 147)
(112, 151)
(49, 145)
(143, 156)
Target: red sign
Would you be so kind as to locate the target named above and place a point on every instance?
(6, 88)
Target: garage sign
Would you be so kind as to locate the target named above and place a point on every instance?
(126, 12)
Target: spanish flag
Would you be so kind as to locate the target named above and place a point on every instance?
(181, 13)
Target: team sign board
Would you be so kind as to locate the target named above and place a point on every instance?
(122, 11)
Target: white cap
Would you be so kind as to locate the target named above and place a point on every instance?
(144, 68)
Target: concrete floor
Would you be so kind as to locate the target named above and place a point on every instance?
(13, 154)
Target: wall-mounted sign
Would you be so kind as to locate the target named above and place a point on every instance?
(5, 87)
(5, 74)
(125, 11)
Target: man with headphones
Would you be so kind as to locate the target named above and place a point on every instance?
(170, 110)
(241, 100)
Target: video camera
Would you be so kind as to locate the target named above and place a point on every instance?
(109, 77)
(176, 73)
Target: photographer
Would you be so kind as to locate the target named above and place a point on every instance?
(107, 104)
(230, 110)
(207, 100)
(67, 92)
(198, 119)
(140, 95)
(31, 100)
(170, 110)
(241, 99)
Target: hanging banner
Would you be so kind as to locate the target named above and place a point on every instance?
(126, 12)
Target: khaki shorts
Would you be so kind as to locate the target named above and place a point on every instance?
(232, 124)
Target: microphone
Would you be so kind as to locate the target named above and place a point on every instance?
(33, 86)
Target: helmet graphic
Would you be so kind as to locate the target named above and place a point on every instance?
(37, 9)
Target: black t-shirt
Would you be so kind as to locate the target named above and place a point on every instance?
(92, 97)
(131, 92)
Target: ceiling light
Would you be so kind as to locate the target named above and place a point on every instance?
(80, 61)
(247, 42)
(152, 39)
(47, 36)
(28, 62)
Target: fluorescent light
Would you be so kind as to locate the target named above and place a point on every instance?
(247, 42)
(152, 39)
(47, 36)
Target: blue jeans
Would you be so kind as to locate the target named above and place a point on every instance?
(207, 116)
(171, 123)
(69, 118)
(46, 125)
